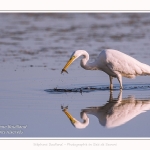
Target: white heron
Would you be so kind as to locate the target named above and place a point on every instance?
(115, 63)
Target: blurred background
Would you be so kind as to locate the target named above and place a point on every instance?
(31, 36)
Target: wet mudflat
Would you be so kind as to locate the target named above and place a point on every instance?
(35, 47)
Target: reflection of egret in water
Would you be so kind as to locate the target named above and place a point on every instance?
(115, 112)
(75, 122)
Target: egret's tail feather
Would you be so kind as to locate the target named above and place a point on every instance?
(137, 69)
(145, 69)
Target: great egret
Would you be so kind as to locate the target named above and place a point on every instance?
(115, 63)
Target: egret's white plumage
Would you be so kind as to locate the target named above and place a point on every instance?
(115, 63)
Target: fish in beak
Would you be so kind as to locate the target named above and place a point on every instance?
(70, 61)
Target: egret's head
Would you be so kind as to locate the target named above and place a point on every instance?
(73, 57)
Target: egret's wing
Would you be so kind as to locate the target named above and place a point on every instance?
(126, 65)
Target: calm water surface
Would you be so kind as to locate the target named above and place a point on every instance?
(33, 50)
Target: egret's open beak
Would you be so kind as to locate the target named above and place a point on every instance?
(69, 116)
(68, 64)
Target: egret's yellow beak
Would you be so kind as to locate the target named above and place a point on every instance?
(70, 61)
(69, 116)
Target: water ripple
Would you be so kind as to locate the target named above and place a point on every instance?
(97, 88)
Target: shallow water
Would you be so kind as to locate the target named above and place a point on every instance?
(35, 47)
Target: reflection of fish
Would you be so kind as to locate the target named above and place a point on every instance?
(64, 107)
(117, 112)
(75, 122)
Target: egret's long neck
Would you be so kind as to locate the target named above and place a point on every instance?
(86, 64)
(84, 124)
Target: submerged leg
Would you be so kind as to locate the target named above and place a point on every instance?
(111, 84)
(119, 77)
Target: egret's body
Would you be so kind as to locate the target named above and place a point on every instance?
(115, 63)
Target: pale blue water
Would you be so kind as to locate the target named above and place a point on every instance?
(35, 47)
